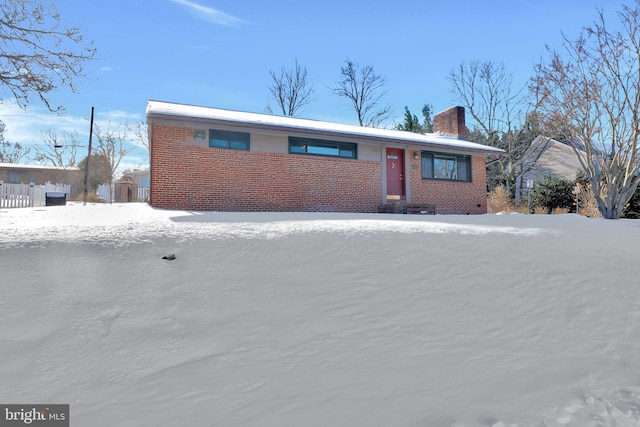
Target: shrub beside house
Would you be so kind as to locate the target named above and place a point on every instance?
(547, 158)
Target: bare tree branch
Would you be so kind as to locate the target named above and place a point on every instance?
(38, 54)
(500, 113)
(110, 143)
(141, 134)
(11, 153)
(591, 95)
(291, 89)
(58, 149)
(365, 89)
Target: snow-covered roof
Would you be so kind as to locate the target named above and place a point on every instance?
(136, 172)
(41, 167)
(433, 140)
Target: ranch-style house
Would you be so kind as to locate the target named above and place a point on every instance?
(213, 159)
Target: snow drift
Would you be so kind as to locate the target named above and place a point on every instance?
(273, 319)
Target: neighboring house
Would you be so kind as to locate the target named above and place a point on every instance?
(140, 177)
(212, 159)
(548, 157)
(133, 186)
(13, 173)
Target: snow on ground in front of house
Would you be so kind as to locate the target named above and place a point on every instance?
(273, 319)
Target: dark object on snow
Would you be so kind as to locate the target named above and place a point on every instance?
(55, 198)
(169, 257)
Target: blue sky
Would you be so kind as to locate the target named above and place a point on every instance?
(219, 53)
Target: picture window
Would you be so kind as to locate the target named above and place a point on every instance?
(448, 167)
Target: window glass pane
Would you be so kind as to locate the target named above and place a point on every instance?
(226, 139)
(218, 142)
(238, 142)
(347, 152)
(445, 167)
(427, 165)
(298, 148)
(463, 169)
(452, 168)
(323, 150)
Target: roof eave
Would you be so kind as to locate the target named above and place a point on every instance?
(314, 128)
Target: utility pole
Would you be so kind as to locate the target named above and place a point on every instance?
(87, 168)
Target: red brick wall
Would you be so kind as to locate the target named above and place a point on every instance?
(186, 176)
(451, 122)
(448, 196)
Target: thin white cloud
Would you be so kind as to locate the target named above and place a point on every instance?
(132, 162)
(210, 14)
(25, 126)
(104, 70)
(119, 116)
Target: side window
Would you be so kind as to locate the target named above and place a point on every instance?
(227, 139)
(316, 147)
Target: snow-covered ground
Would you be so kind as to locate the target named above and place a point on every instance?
(290, 319)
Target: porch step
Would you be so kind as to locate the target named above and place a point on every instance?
(408, 208)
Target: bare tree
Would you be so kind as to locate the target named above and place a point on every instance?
(364, 89)
(291, 89)
(501, 118)
(11, 152)
(141, 134)
(58, 149)
(591, 97)
(38, 54)
(486, 91)
(110, 143)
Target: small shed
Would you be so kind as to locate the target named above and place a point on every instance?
(125, 191)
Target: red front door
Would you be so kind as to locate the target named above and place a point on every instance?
(395, 174)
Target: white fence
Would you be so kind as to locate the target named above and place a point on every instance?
(105, 194)
(143, 194)
(28, 195)
(33, 196)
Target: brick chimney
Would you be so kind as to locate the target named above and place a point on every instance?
(451, 123)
